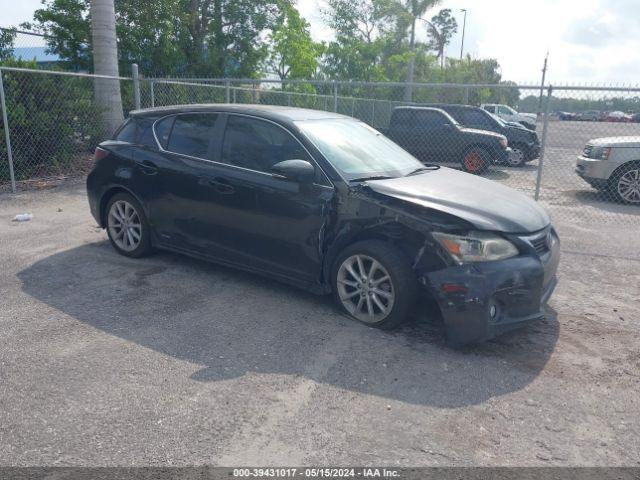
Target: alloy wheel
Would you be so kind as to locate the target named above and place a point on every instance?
(629, 186)
(365, 288)
(124, 225)
(516, 157)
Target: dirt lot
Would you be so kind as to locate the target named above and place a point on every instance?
(106, 360)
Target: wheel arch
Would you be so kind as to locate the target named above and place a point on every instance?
(409, 241)
(108, 194)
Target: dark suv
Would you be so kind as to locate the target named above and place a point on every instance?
(524, 143)
(326, 203)
(434, 136)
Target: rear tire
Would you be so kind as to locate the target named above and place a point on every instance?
(475, 160)
(373, 282)
(127, 226)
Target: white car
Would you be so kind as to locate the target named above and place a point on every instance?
(612, 165)
(508, 114)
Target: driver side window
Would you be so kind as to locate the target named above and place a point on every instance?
(258, 145)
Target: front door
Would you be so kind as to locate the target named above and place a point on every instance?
(259, 220)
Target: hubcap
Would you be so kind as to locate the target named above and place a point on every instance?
(516, 157)
(124, 225)
(629, 186)
(365, 288)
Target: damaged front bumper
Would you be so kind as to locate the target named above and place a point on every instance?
(481, 300)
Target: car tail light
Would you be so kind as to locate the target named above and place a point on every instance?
(99, 154)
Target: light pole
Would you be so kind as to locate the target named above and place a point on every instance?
(464, 25)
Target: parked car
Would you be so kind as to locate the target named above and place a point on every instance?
(326, 203)
(566, 116)
(524, 143)
(612, 165)
(588, 116)
(434, 136)
(616, 116)
(635, 118)
(510, 115)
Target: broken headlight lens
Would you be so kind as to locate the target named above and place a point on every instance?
(476, 246)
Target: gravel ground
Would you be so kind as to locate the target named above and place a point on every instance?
(106, 360)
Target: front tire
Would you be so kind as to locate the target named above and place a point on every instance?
(625, 184)
(127, 226)
(518, 156)
(373, 282)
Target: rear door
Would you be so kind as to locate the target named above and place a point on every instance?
(171, 178)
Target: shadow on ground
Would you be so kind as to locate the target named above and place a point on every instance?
(231, 323)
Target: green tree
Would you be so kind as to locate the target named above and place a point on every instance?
(7, 37)
(292, 52)
(167, 37)
(440, 29)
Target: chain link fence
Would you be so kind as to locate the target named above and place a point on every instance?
(554, 154)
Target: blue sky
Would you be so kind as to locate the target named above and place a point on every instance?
(590, 41)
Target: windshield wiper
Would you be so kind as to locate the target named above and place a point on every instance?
(422, 169)
(373, 177)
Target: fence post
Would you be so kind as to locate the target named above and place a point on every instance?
(543, 143)
(335, 96)
(466, 95)
(373, 113)
(253, 92)
(7, 136)
(136, 85)
(152, 93)
(227, 91)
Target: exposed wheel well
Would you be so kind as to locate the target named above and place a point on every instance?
(410, 242)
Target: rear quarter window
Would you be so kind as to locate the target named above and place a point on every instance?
(128, 132)
(163, 129)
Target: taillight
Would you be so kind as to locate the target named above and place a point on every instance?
(99, 154)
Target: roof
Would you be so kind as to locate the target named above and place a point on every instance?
(273, 112)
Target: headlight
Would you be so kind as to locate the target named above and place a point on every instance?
(503, 142)
(476, 246)
(601, 153)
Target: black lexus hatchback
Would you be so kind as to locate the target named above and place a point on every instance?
(326, 203)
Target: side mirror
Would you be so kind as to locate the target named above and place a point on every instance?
(299, 171)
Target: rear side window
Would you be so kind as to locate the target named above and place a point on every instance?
(490, 108)
(404, 118)
(191, 134)
(474, 117)
(145, 135)
(429, 119)
(128, 132)
(258, 145)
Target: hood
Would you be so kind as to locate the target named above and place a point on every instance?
(532, 116)
(477, 131)
(631, 141)
(486, 204)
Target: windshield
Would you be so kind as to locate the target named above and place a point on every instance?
(356, 150)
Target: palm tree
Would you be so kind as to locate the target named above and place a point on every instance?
(440, 29)
(105, 62)
(414, 9)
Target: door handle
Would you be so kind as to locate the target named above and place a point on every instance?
(222, 186)
(147, 167)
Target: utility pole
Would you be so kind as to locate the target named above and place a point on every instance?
(544, 74)
(464, 26)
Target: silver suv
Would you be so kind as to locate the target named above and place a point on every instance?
(612, 164)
